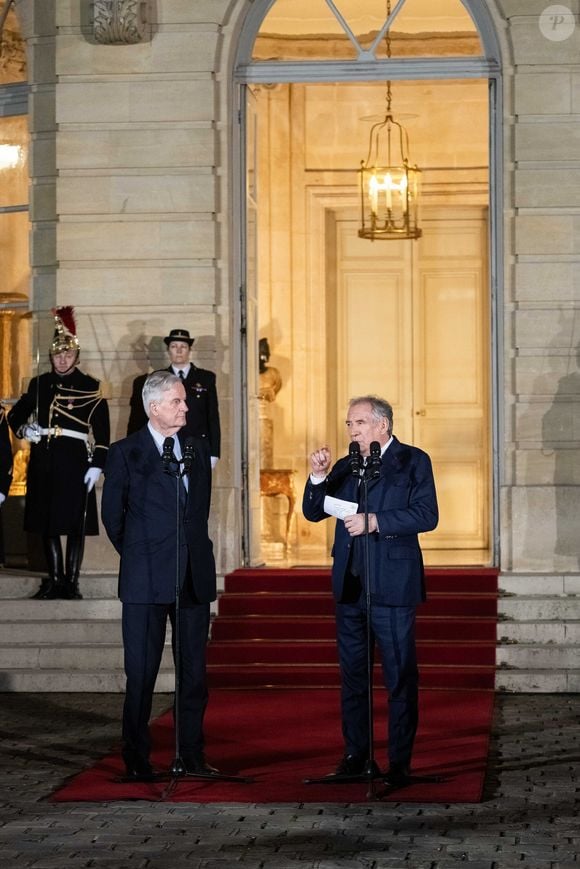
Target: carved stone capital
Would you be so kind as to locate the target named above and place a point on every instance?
(120, 22)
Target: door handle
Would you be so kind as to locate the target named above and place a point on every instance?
(421, 412)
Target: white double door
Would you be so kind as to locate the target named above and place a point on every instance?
(410, 322)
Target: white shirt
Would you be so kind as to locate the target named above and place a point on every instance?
(185, 370)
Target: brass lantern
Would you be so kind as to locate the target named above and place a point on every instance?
(389, 184)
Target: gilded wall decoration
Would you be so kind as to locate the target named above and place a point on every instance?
(12, 49)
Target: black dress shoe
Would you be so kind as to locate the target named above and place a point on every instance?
(398, 775)
(351, 764)
(138, 769)
(198, 765)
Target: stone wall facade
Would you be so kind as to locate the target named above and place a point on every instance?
(133, 214)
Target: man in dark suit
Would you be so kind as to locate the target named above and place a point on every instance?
(203, 419)
(401, 504)
(157, 520)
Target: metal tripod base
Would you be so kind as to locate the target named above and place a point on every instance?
(219, 776)
(370, 773)
(178, 771)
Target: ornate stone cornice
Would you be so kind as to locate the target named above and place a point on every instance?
(119, 22)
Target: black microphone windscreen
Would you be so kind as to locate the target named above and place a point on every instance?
(168, 444)
(375, 448)
(187, 453)
(354, 448)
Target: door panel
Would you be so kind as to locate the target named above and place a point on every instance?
(412, 327)
(450, 384)
(374, 327)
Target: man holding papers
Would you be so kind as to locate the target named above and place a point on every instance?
(402, 503)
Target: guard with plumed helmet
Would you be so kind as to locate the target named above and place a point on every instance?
(66, 420)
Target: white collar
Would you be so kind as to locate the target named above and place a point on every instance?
(159, 440)
(185, 370)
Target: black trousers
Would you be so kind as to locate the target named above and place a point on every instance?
(393, 633)
(144, 628)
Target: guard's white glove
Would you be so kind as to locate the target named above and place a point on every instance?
(31, 433)
(91, 477)
(214, 460)
(2, 498)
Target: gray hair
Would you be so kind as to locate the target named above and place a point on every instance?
(380, 408)
(155, 385)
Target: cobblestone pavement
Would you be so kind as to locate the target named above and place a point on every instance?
(528, 818)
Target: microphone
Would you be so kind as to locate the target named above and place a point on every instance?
(374, 462)
(188, 454)
(355, 458)
(167, 455)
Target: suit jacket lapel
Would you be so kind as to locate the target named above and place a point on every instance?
(390, 463)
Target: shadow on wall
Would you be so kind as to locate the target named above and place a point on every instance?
(560, 432)
(140, 354)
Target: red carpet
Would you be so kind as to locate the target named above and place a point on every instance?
(274, 637)
(276, 629)
(280, 737)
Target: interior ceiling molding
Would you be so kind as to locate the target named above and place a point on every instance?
(326, 46)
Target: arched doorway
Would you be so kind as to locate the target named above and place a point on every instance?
(410, 320)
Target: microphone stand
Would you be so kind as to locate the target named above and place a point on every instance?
(178, 769)
(371, 771)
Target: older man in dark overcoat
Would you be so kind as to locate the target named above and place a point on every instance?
(401, 504)
(157, 519)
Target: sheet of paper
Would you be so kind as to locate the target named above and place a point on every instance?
(339, 508)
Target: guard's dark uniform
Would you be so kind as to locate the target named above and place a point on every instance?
(5, 469)
(5, 454)
(74, 420)
(202, 420)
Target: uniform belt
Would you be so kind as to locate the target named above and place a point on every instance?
(58, 432)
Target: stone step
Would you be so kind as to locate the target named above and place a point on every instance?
(59, 610)
(540, 632)
(23, 585)
(539, 608)
(529, 656)
(537, 681)
(531, 585)
(66, 632)
(86, 656)
(74, 681)
(77, 645)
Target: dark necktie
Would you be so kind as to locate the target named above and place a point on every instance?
(181, 375)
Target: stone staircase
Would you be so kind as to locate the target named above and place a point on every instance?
(538, 634)
(62, 645)
(75, 646)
